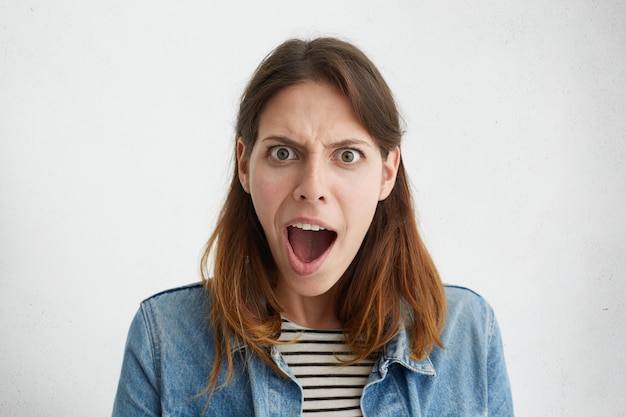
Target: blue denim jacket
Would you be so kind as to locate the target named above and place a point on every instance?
(170, 351)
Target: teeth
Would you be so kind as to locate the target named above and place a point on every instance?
(308, 226)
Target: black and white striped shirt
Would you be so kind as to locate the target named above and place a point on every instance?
(330, 387)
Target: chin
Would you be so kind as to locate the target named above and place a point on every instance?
(310, 286)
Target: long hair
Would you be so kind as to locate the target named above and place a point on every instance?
(391, 283)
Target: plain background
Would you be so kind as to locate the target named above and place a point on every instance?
(115, 147)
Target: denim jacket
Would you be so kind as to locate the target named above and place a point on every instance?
(170, 351)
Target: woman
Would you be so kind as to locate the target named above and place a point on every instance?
(323, 299)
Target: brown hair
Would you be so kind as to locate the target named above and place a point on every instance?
(392, 281)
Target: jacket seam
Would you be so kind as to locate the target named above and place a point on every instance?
(154, 348)
(176, 289)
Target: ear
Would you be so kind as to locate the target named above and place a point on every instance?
(390, 171)
(242, 166)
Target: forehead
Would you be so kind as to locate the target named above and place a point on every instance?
(309, 108)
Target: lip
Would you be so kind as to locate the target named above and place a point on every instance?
(297, 265)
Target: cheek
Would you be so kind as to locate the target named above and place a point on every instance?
(366, 211)
(267, 195)
(360, 203)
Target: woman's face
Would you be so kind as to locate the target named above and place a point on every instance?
(315, 177)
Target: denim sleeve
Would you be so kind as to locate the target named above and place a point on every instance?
(500, 401)
(138, 389)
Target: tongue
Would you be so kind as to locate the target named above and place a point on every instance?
(309, 245)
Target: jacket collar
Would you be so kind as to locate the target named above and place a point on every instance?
(398, 351)
(235, 343)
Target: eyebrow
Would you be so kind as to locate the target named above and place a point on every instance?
(344, 143)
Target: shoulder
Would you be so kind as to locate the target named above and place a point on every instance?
(463, 298)
(468, 313)
(183, 307)
(170, 351)
(194, 293)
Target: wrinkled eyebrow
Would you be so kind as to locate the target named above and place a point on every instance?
(344, 143)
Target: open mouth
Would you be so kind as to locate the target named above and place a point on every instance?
(309, 241)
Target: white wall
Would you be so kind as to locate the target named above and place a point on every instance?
(115, 140)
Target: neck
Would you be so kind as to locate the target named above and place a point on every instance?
(313, 312)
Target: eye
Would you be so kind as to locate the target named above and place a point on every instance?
(282, 153)
(348, 156)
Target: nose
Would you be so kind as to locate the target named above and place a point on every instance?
(311, 185)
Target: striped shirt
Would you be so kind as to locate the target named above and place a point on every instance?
(330, 387)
